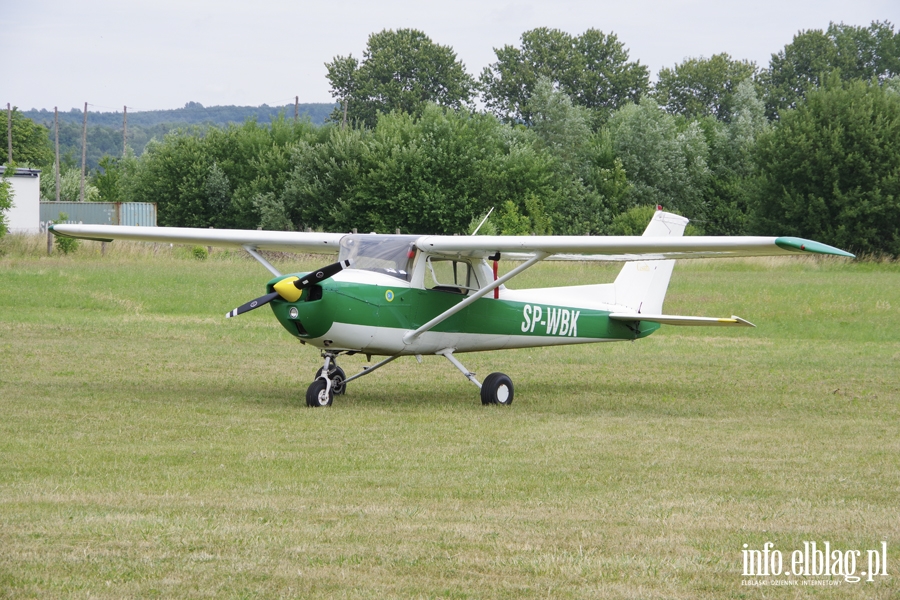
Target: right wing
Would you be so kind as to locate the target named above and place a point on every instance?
(278, 241)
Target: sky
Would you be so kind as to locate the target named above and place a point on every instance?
(161, 54)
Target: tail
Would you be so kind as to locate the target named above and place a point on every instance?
(641, 285)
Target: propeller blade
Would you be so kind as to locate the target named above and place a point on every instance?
(322, 274)
(262, 300)
(291, 288)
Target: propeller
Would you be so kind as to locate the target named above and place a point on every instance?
(291, 288)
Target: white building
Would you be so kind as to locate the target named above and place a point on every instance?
(25, 214)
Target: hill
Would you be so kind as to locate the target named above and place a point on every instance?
(193, 113)
(104, 134)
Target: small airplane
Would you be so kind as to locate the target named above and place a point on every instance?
(411, 295)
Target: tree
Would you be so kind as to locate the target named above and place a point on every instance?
(218, 194)
(69, 187)
(214, 176)
(427, 174)
(30, 142)
(590, 184)
(401, 70)
(273, 215)
(813, 55)
(561, 126)
(634, 221)
(701, 87)
(666, 163)
(107, 179)
(593, 69)
(893, 84)
(830, 170)
(731, 162)
(6, 200)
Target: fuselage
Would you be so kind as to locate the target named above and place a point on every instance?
(371, 312)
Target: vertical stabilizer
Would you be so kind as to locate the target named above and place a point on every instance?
(641, 285)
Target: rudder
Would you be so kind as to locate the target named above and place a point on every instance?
(641, 285)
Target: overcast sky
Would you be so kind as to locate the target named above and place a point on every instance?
(163, 53)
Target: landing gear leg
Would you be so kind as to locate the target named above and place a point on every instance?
(330, 380)
(336, 375)
(497, 387)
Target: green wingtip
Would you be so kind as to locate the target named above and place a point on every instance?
(800, 245)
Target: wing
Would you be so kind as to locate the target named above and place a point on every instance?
(279, 241)
(622, 248)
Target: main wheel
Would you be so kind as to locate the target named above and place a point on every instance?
(497, 388)
(337, 376)
(316, 394)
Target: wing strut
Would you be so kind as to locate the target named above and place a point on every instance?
(252, 252)
(411, 336)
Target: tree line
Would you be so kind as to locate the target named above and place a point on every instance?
(561, 134)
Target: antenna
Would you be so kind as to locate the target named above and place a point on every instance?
(483, 220)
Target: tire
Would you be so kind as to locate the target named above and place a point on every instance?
(316, 395)
(337, 376)
(497, 388)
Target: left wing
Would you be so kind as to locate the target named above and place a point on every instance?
(623, 248)
(278, 241)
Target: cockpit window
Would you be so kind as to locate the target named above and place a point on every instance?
(390, 254)
(449, 275)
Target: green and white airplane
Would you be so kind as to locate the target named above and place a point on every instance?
(410, 295)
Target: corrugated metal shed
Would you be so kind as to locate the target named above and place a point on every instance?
(100, 213)
(137, 213)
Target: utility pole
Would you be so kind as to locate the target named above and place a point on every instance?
(83, 153)
(124, 130)
(56, 127)
(8, 134)
(296, 108)
(344, 122)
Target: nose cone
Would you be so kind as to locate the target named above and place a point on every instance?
(287, 289)
(306, 317)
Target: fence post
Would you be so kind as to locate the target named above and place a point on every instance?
(49, 239)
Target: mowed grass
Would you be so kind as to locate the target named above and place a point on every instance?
(151, 448)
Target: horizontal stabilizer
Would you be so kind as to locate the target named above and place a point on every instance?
(683, 320)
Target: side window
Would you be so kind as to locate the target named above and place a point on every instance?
(445, 275)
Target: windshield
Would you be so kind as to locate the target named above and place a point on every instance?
(390, 254)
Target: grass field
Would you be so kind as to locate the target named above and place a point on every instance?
(151, 448)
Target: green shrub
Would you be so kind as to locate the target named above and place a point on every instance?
(65, 244)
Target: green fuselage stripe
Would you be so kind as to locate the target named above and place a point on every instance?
(407, 309)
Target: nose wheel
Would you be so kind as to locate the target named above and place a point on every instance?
(330, 381)
(319, 393)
